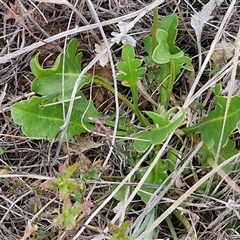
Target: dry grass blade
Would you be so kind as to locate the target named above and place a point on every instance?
(186, 195)
(161, 191)
(210, 52)
(74, 31)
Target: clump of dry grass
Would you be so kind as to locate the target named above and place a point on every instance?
(29, 27)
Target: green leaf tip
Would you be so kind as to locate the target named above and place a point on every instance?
(170, 24)
(163, 53)
(166, 37)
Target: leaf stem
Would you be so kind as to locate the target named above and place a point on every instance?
(135, 109)
(171, 228)
(154, 27)
(187, 225)
(170, 82)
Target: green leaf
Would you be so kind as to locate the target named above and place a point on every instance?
(156, 177)
(130, 69)
(172, 159)
(120, 195)
(211, 128)
(67, 172)
(49, 81)
(169, 56)
(43, 122)
(147, 41)
(66, 219)
(40, 121)
(179, 63)
(84, 106)
(164, 126)
(170, 23)
(1, 151)
(162, 53)
(217, 89)
(119, 232)
(148, 221)
(225, 153)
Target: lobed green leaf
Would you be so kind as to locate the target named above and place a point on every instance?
(48, 81)
(130, 68)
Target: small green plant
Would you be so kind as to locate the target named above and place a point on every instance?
(42, 116)
(119, 232)
(71, 190)
(164, 55)
(163, 126)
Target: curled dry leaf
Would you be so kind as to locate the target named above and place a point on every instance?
(199, 19)
(104, 73)
(179, 183)
(118, 207)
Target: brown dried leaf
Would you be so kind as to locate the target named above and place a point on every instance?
(81, 144)
(102, 72)
(223, 52)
